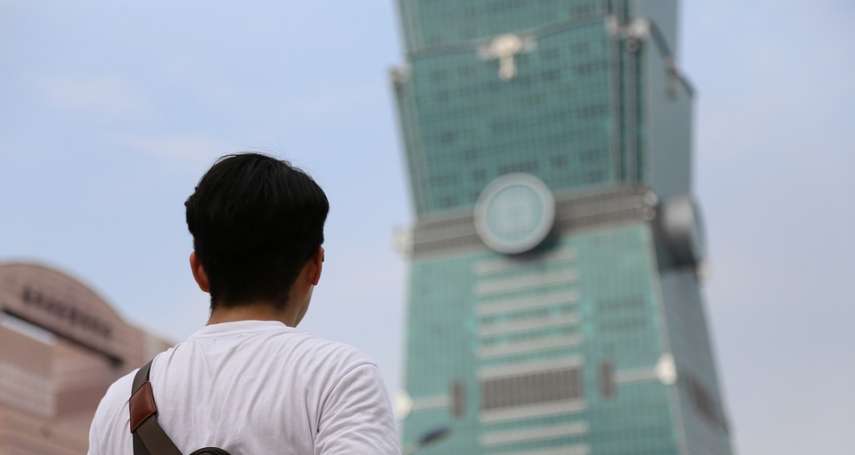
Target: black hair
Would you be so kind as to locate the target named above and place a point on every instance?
(255, 221)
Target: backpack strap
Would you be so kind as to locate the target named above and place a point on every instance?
(149, 438)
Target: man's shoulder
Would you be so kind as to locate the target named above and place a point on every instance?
(111, 415)
(330, 353)
(118, 393)
(290, 349)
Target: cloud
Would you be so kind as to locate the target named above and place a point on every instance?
(104, 95)
(193, 148)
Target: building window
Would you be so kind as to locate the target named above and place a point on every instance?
(579, 49)
(559, 161)
(447, 137)
(551, 75)
(552, 54)
(458, 399)
(437, 76)
(470, 155)
(523, 166)
(590, 156)
(531, 388)
(607, 380)
(447, 201)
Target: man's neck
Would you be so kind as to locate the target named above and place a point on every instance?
(254, 312)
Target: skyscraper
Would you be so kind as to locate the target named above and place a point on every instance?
(554, 294)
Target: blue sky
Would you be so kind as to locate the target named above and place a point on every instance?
(112, 111)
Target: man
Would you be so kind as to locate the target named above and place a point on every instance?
(249, 382)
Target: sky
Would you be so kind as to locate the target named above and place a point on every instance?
(112, 110)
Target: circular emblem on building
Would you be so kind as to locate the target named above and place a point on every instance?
(515, 213)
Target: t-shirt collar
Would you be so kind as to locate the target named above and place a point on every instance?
(234, 327)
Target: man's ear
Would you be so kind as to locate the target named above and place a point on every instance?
(318, 265)
(199, 273)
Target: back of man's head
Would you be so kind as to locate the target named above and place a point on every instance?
(255, 222)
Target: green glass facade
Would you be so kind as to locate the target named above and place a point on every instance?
(595, 342)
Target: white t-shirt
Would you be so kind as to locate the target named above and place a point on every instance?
(257, 388)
